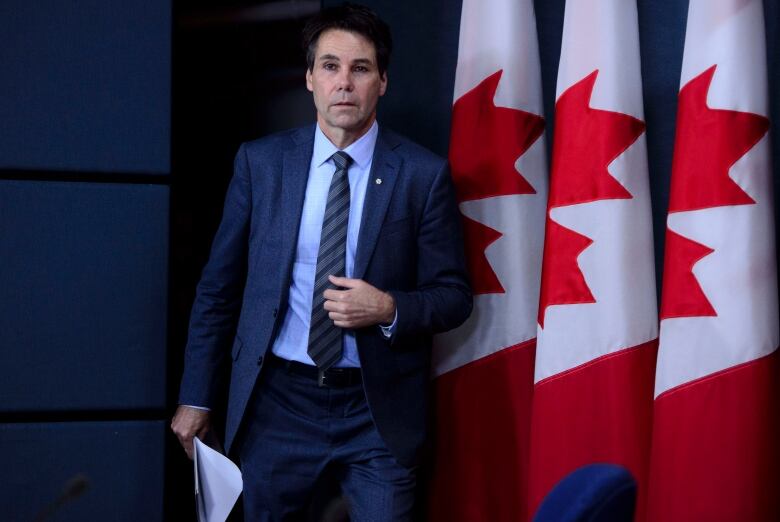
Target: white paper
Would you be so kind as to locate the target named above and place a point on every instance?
(217, 483)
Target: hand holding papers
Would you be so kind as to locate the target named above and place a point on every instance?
(217, 483)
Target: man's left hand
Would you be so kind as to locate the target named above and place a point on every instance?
(359, 304)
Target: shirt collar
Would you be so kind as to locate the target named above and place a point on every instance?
(361, 151)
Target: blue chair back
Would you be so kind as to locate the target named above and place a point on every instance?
(592, 493)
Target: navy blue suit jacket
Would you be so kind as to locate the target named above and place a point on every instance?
(409, 244)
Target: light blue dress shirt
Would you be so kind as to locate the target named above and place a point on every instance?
(293, 339)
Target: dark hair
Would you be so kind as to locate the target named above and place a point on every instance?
(352, 18)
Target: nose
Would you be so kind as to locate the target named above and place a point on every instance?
(345, 80)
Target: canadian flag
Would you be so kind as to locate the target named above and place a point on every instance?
(483, 370)
(597, 338)
(717, 409)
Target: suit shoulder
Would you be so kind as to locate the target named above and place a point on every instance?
(414, 152)
(273, 143)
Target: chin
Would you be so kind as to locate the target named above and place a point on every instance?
(346, 123)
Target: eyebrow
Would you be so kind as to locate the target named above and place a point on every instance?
(333, 57)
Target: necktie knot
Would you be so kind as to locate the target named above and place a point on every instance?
(342, 160)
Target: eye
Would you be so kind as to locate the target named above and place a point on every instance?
(360, 68)
(329, 66)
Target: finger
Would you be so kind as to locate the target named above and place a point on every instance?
(183, 431)
(186, 444)
(332, 294)
(351, 323)
(344, 282)
(336, 316)
(334, 306)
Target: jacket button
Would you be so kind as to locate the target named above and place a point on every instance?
(260, 361)
(276, 310)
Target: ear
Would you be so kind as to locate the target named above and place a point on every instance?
(309, 84)
(383, 84)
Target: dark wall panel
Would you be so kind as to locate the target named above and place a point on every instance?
(83, 296)
(85, 85)
(121, 462)
(418, 102)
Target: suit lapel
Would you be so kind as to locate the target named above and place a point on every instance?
(384, 172)
(295, 172)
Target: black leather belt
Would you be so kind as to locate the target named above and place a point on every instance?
(330, 378)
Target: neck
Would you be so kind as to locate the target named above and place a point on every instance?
(343, 138)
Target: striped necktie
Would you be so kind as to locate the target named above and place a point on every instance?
(325, 337)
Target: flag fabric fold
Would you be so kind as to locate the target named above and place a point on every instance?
(483, 371)
(717, 408)
(597, 336)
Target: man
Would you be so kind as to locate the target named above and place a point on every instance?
(338, 256)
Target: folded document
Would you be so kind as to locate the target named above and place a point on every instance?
(217, 483)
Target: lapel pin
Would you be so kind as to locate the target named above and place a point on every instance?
(378, 181)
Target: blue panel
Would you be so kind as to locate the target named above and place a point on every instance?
(421, 76)
(85, 85)
(121, 462)
(662, 36)
(83, 295)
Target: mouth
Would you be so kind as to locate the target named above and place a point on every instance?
(343, 104)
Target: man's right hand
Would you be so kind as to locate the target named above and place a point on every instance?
(190, 422)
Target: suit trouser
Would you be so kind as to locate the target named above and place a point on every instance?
(297, 431)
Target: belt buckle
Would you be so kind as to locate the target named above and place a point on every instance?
(321, 378)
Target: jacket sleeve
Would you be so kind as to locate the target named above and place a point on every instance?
(219, 293)
(442, 300)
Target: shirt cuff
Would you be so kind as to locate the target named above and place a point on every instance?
(196, 407)
(389, 330)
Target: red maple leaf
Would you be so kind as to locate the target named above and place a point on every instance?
(485, 143)
(708, 142)
(478, 237)
(682, 294)
(562, 279)
(587, 140)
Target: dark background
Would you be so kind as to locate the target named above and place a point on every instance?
(119, 124)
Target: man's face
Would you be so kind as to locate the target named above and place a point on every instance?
(345, 82)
